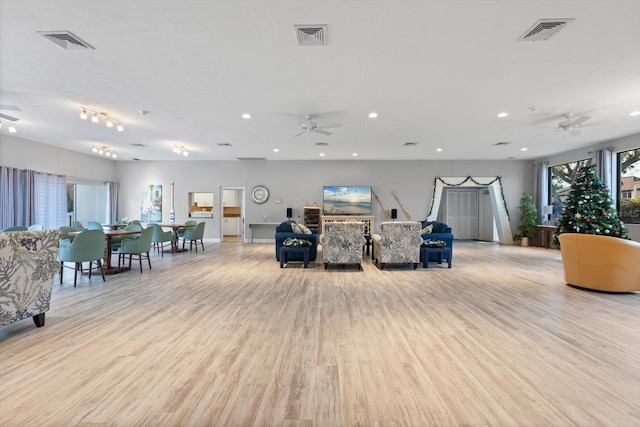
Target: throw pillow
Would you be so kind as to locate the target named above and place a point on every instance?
(295, 228)
(304, 229)
(439, 227)
(427, 230)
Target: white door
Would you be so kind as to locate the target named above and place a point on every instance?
(462, 212)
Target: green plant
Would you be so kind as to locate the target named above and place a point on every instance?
(528, 216)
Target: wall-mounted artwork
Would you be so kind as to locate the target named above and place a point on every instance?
(151, 204)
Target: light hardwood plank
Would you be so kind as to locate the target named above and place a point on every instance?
(226, 337)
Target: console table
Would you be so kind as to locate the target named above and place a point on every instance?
(367, 219)
(545, 231)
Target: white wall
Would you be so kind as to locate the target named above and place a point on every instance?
(295, 182)
(25, 154)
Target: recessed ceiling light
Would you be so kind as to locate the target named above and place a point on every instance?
(503, 114)
(321, 154)
(355, 154)
(634, 113)
(524, 149)
(275, 150)
(373, 115)
(438, 149)
(246, 116)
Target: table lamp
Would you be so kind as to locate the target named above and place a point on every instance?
(548, 210)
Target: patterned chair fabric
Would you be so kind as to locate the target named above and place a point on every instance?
(398, 242)
(28, 264)
(342, 243)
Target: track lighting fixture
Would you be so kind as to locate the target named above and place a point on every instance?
(181, 150)
(104, 151)
(95, 118)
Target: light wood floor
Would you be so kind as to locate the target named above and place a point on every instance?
(227, 338)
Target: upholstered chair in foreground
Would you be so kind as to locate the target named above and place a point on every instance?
(601, 263)
(88, 246)
(398, 242)
(342, 243)
(138, 247)
(29, 261)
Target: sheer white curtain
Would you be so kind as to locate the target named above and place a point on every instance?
(50, 204)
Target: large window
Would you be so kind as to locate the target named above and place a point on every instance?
(87, 202)
(629, 186)
(561, 178)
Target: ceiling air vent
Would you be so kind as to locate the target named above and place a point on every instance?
(224, 144)
(251, 158)
(502, 143)
(322, 144)
(410, 144)
(137, 145)
(544, 29)
(311, 35)
(66, 40)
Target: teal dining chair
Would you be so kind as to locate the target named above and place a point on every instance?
(132, 226)
(78, 225)
(35, 227)
(16, 228)
(193, 235)
(94, 225)
(160, 238)
(138, 247)
(65, 230)
(188, 225)
(87, 246)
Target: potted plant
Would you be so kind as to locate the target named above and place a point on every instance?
(528, 219)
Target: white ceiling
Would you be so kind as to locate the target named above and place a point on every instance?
(436, 72)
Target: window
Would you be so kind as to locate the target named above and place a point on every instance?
(629, 186)
(561, 178)
(87, 202)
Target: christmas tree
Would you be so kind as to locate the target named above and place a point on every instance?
(589, 208)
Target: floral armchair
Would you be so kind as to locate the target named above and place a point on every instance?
(342, 243)
(28, 264)
(398, 242)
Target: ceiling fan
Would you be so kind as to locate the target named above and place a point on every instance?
(309, 126)
(9, 108)
(570, 124)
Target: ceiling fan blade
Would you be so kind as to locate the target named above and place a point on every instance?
(323, 132)
(298, 134)
(546, 133)
(10, 107)
(579, 120)
(8, 117)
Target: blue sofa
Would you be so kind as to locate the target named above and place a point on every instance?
(441, 231)
(283, 231)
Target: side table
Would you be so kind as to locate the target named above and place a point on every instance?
(285, 250)
(426, 250)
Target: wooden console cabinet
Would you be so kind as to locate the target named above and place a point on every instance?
(367, 219)
(311, 216)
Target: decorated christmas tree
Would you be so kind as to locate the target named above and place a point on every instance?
(589, 208)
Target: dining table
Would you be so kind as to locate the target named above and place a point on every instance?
(107, 268)
(174, 229)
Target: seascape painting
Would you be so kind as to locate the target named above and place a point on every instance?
(151, 204)
(347, 200)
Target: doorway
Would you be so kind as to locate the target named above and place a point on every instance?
(232, 215)
(468, 211)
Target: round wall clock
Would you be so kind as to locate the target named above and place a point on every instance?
(259, 194)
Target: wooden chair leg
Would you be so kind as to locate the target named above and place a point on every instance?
(202, 243)
(140, 261)
(149, 260)
(61, 270)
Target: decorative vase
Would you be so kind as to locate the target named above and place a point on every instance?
(525, 241)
